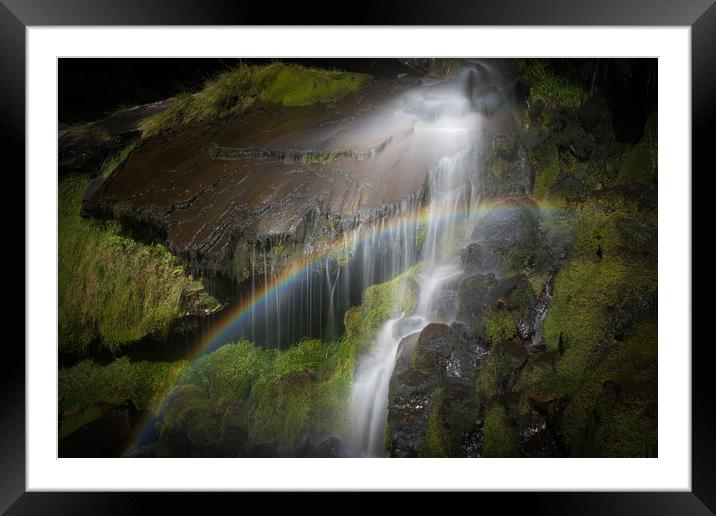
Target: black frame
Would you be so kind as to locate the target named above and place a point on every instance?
(700, 15)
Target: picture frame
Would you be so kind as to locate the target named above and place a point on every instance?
(700, 15)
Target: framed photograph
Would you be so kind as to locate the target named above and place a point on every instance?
(453, 255)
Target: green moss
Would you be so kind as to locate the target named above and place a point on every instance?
(278, 396)
(602, 322)
(274, 395)
(544, 160)
(502, 315)
(637, 166)
(613, 412)
(498, 373)
(453, 411)
(86, 383)
(380, 303)
(546, 86)
(538, 281)
(421, 233)
(500, 324)
(499, 438)
(609, 280)
(436, 441)
(305, 392)
(233, 91)
(113, 289)
(92, 132)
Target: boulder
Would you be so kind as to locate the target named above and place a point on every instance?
(505, 169)
(508, 236)
(473, 292)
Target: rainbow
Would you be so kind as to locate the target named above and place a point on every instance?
(228, 322)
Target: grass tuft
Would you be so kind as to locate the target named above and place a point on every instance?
(112, 289)
(235, 90)
(546, 86)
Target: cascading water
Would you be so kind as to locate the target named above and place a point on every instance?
(452, 196)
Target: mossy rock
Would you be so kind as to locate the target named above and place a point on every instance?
(237, 89)
(499, 372)
(505, 169)
(613, 411)
(544, 160)
(500, 438)
(379, 303)
(509, 236)
(511, 300)
(454, 411)
(472, 295)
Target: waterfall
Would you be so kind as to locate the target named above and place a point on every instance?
(451, 197)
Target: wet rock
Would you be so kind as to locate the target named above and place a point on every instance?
(515, 295)
(505, 168)
(531, 323)
(320, 171)
(442, 351)
(433, 367)
(404, 354)
(454, 416)
(408, 409)
(471, 445)
(508, 236)
(475, 258)
(444, 302)
(537, 438)
(473, 294)
(84, 148)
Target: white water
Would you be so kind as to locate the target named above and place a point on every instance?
(453, 198)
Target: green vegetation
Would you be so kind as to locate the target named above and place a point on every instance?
(241, 394)
(601, 294)
(92, 132)
(499, 438)
(113, 290)
(435, 442)
(233, 91)
(597, 381)
(274, 396)
(453, 411)
(380, 303)
(544, 160)
(547, 87)
(87, 389)
(502, 315)
(497, 372)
